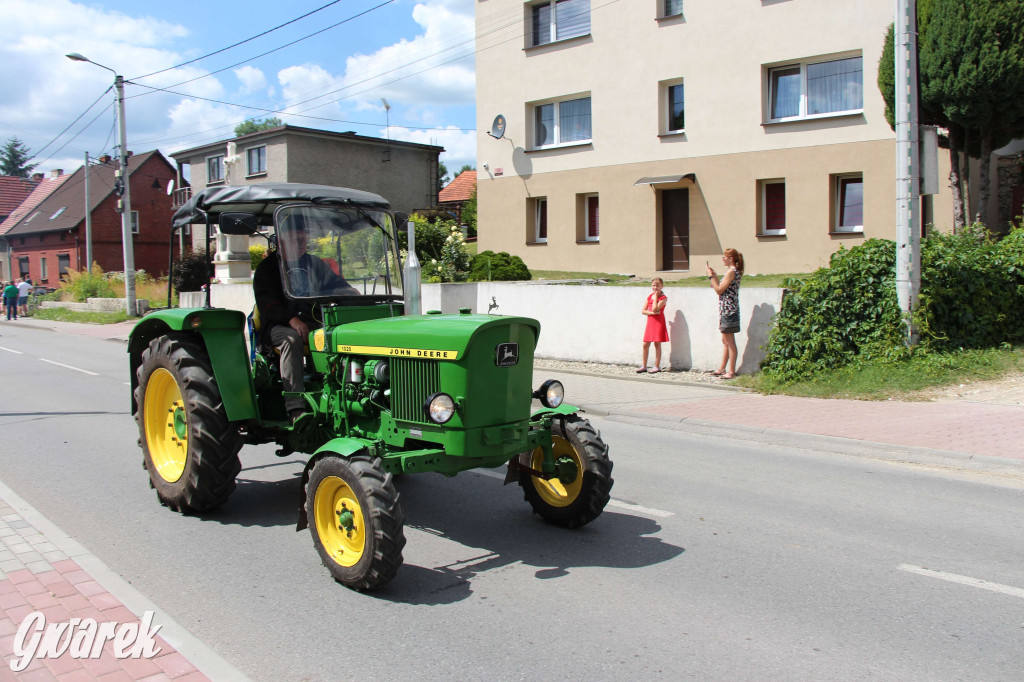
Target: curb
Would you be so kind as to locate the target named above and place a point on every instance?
(644, 379)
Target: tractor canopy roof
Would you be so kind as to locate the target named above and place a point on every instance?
(264, 198)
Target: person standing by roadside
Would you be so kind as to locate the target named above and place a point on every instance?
(656, 331)
(11, 300)
(24, 289)
(728, 290)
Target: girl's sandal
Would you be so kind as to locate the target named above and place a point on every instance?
(730, 375)
(717, 373)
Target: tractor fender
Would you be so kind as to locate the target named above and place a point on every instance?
(221, 333)
(563, 409)
(336, 447)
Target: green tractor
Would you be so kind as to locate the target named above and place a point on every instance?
(385, 392)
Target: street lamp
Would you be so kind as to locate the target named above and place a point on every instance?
(126, 205)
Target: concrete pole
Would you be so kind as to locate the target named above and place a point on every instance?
(126, 205)
(908, 204)
(88, 220)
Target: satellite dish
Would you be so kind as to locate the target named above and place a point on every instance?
(170, 187)
(498, 127)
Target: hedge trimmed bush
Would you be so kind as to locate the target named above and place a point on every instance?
(497, 267)
(972, 296)
(191, 272)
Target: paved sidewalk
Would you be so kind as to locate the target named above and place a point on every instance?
(43, 570)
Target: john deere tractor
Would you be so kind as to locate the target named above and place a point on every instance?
(385, 393)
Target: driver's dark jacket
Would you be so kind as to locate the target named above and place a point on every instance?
(275, 307)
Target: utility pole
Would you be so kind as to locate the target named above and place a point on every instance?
(908, 204)
(88, 220)
(125, 204)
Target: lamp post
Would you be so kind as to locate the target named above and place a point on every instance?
(126, 200)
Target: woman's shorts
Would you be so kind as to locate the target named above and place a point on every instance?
(729, 324)
(23, 300)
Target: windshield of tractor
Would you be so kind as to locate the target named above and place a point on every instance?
(330, 252)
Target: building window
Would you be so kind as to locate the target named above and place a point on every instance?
(591, 218)
(23, 266)
(809, 89)
(43, 274)
(559, 20)
(671, 8)
(58, 212)
(257, 160)
(63, 263)
(540, 221)
(215, 169)
(675, 108)
(848, 203)
(772, 204)
(135, 222)
(559, 123)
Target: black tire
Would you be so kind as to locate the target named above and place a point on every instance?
(581, 501)
(363, 548)
(190, 449)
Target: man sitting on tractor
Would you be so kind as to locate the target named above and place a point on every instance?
(286, 316)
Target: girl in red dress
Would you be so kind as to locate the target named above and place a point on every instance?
(656, 331)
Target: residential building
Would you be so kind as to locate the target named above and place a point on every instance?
(456, 193)
(46, 236)
(645, 137)
(14, 190)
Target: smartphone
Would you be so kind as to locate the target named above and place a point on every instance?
(706, 264)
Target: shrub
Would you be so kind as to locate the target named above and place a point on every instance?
(453, 266)
(257, 252)
(192, 272)
(498, 267)
(85, 284)
(430, 238)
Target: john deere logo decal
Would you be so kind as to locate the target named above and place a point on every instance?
(507, 355)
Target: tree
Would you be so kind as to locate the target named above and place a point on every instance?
(469, 214)
(14, 159)
(254, 125)
(442, 175)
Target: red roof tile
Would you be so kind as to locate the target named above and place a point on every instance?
(13, 191)
(459, 189)
(38, 195)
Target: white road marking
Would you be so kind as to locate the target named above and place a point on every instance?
(77, 369)
(963, 580)
(648, 511)
(11, 350)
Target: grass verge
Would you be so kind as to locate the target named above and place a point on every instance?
(881, 380)
(65, 315)
(696, 281)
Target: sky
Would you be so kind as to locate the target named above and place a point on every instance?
(415, 54)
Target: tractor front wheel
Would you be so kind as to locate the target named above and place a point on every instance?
(356, 520)
(189, 447)
(578, 501)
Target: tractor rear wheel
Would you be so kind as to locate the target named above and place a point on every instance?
(356, 520)
(581, 500)
(189, 447)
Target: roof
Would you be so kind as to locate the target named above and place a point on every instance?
(63, 207)
(282, 129)
(13, 191)
(38, 195)
(459, 189)
(264, 198)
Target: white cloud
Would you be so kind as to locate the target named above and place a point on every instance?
(459, 146)
(252, 79)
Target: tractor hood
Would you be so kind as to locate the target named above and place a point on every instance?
(428, 337)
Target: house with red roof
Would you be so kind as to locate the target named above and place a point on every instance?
(45, 236)
(456, 193)
(13, 191)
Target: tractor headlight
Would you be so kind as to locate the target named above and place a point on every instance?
(439, 407)
(551, 393)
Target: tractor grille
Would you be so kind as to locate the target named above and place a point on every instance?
(412, 382)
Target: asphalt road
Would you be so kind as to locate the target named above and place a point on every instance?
(719, 559)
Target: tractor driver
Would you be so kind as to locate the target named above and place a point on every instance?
(285, 321)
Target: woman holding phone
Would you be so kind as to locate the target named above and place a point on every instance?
(728, 290)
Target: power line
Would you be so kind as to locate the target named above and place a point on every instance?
(241, 42)
(57, 137)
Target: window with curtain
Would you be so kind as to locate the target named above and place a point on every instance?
(593, 223)
(676, 108)
(559, 20)
(257, 160)
(816, 88)
(215, 168)
(849, 203)
(773, 208)
(562, 122)
(540, 221)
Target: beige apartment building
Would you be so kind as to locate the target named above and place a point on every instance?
(646, 136)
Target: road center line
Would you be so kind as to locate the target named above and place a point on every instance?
(77, 369)
(11, 350)
(963, 580)
(611, 503)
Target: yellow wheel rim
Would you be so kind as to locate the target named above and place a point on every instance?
(553, 491)
(339, 521)
(166, 425)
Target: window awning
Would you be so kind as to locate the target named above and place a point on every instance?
(666, 179)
